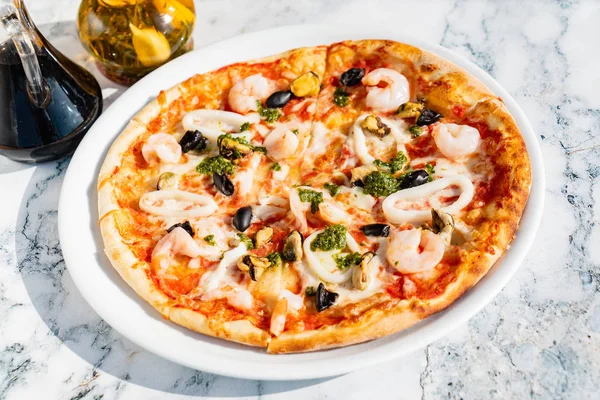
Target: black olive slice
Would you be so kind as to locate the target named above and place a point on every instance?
(279, 99)
(324, 298)
(223, 184)
(352, 77)
(376, 230)
(415, 178)
(193, 140)
(358, 183)
(185, 225)
(242, 218)
(428, 117)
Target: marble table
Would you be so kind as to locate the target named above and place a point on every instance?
(539, 338)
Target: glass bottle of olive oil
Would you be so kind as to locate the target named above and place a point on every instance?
(130, 38)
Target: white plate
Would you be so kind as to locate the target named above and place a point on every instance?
(118, 304)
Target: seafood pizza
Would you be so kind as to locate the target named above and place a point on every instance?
(314, 199)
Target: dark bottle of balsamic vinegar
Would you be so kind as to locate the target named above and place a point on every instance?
(47, 102)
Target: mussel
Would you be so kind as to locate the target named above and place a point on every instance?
(307, 84)
(374, 125)
(292, 246)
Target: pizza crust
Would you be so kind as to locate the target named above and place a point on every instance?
(497, 221)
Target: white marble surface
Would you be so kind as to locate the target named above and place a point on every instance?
(539, 338)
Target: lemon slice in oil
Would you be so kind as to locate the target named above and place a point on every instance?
(179, 13)
(151, 46)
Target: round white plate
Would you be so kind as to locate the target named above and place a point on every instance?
(118, 304)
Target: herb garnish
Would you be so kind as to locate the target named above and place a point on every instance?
(341, 98)
(344, 262)
(312, 197)
(210, 239)
(269, 114)
(276, 167)
(430, 170)
(275, 259)
(380, 183)
(218, 164)
(396, 164)
(245, 126)
(332, 188)
(332, 238)
(246, 240)
(415, 131)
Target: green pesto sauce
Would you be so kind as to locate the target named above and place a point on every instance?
(210, 239)
(217, 164)
(415, 131)
(380, 183)
(396, 164)
(269, 114)
(332, 188)
(347, 261)
(276, 167)
(332, 238)
(275, 259)
(312, 197)
(430, 170)
(341, 98)
(246, 240)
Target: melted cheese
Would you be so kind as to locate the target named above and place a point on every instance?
(295, 301)
(357, 198)
(225, 272)
(236, 297)
(282, 173)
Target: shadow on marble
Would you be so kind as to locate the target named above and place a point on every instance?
(76, 325)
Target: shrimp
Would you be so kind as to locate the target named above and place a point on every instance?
(331, 212)
(299, 210)
(415, 250)
(281, 143)
(178, 241)
(392, 95)
(161, 147)
(244, 94)
(456, 141)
